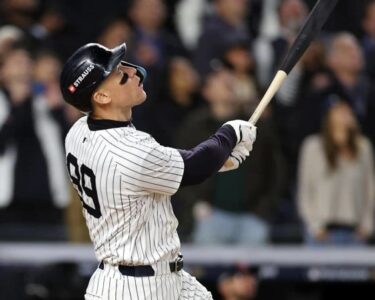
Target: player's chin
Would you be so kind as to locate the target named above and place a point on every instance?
(142, 97)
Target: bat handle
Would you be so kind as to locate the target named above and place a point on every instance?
(270, 93)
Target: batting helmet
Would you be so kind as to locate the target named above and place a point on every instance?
(85, 70)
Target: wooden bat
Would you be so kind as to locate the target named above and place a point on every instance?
(313, 24)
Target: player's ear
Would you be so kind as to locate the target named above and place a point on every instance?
(101, 97)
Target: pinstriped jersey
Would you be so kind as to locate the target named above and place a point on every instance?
(125, 179)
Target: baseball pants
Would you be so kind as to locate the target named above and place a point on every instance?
(110, 284)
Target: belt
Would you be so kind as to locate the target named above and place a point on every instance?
(147, 270)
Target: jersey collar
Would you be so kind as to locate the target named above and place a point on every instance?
(95, 124)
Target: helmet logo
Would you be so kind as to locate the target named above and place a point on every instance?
(72, 88)
(81, 77)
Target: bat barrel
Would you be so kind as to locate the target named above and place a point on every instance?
(311, 28)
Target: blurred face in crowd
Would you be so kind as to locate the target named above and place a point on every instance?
(220, 94)
(234, 9)
(292, 14)
(52, 21)
(341, 122)
(21, 13)
(148, 14)
(47, 69)
(244, 286)
(241, 286)
(368, 23)
(22, 5)
(8, 36)
(183, 79)
(115, 34)
(314, 57)
(240, 59)
(117, 95)
(17, 68)
(345, 54)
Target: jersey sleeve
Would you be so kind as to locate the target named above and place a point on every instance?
(151, 167)
(163, 169)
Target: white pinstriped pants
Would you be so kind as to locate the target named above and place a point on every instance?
(110, 284)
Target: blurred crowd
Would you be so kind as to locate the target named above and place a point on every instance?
(310, 177)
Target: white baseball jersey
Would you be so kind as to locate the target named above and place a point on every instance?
(125, 180)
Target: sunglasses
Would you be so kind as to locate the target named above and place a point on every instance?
(140, 72)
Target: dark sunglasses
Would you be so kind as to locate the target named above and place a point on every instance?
(140, 72)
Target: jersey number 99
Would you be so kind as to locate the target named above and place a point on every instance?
(78, 178)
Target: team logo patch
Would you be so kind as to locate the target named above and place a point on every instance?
(72, 88)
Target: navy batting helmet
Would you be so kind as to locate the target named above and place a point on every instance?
(87, 68)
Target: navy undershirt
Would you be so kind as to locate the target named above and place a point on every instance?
(201, 161)
(208, 157)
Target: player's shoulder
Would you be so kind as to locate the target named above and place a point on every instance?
(129, 138)
(140, 137)
(78, 125)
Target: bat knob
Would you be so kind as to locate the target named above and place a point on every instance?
(229, 164)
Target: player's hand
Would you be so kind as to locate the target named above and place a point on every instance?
(237, 157)
(245, 132)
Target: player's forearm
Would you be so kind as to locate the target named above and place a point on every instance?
(208, 157)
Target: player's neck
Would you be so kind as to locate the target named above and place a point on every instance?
(115, 115)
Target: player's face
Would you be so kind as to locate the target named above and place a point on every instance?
(126, 88)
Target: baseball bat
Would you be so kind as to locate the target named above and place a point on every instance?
(312, 26)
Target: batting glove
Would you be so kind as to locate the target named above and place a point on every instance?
(245, 131)
(237, 157)
(246, 135)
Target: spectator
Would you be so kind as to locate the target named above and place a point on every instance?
(368, 40)
(368, 45)
(346, 16)
(152, 44)
(52, 31)
(151, 47)
(47, 69)
(292, 15)
(179, 99)
(336, 189)
(270, 50)
(116, 32)
(227, 21)
(8, 36)
(188, 19)
(243, 203)
(346, 61)
(32, 168)
(239, 59)
(237, 285)
(21, 13)
(345, 77)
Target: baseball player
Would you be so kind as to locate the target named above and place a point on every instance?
(125, 179)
